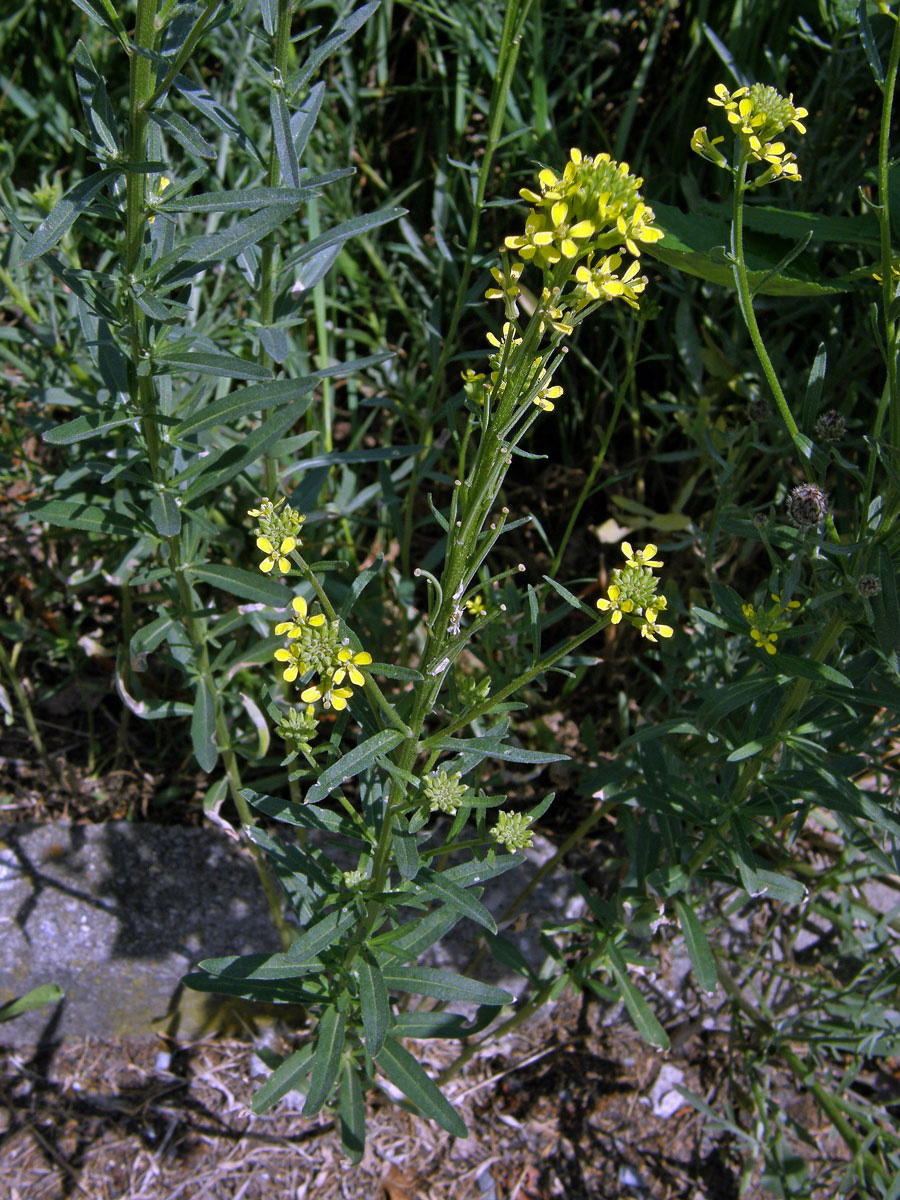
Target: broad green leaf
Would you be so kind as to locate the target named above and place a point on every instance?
(353, 763)
(87, 426)
(697, 946)
(321, 935)
(443, 985)
(692, 238)
(406, 1074)
(165, 515)
(289, 1077)
(203, 724)
(39, 997)
(326, 1060)
(255, 588)
(64, 214)
(352, 1113)
(435, 884)
(373, 1001)
(74, 514)
(638, 1009)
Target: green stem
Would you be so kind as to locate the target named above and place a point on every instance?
(280, 52)
(27, 715)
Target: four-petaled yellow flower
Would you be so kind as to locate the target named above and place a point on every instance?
(349, 666)
(274, 556)
(332, 697)
(615, 604)
(640, 558)
(294, 628)
(650, 627)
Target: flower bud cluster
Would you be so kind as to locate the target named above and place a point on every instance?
(277, 534)
(632, 593)
(758, 115)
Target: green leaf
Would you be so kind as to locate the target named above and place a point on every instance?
(423, 1024)
(491, 748)
(435, 884)
(183, 132)
(326, 1060)
(636, 1006)
(255, 588)
(389, 671)
(697, 946)
(505, 952)
(87, 426)
(75, 514)
(341, 32)
(406, 1074)
(322, 934)
(782, 888)
(104, 13)
(867, 37)
(259, 396)
(64, 214)
(223, 366)
(886, 606)
(405, 850)
(259, 968)
(47, 993)
(165, 515)
(806, 668)
(354, 763)
(571, 600)
(306, 117)
(306, 816)
(230, 463)
(338, 234)
(227, 243)
(373, 1001)
(203, 724)
(203, 101)
(95, 102)
(725, 700)
(352, 1114)
(289, 1077)
(443, 985)
(284, 142)
(467, 873)
(691, 238)
(409, 941)
(237, 199)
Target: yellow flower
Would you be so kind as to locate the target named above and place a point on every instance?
(476, 605)
(332, 697)
(650, 627)
(640, 558)
(273, 555)
(294, 628)
(614, 604)
(349, 667)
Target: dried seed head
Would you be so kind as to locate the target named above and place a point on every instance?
(868, 585)
(831, 426)
(807, 505)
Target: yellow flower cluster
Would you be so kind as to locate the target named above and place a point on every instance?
(315, 644)
(758, 116)
(765, 623)
(632, 593)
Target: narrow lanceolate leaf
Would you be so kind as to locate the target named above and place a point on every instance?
(237, 199)
(354, 763)
(352, 1114)
(289, 1077)
(439, 887)
(203, 725)
(406, 1074)
(443, 985)
(257, 589)
(284, 142)
(95, 102)
(224, 366)
(373, 1001)
(321, 935)
(697, 946)
(343, 232)
(342, 31)
(203, 101)
(64, 214)
(637, 1007)
(183, 132)
(326, 1060)
(222, 469)
(87, 426)
(227, 243)
(47, 993)
(304, 119)
(73, 514)
(104, 13)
